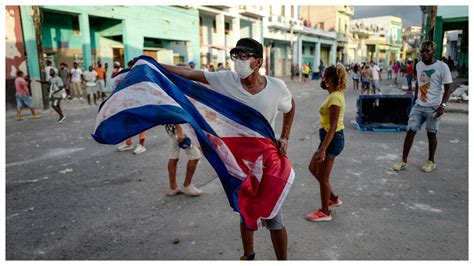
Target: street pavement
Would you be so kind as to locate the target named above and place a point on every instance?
(70, 198)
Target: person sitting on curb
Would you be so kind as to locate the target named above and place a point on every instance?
(178, 141)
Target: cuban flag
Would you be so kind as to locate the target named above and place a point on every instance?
(237, 140)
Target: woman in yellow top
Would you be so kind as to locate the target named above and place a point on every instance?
(332, 140)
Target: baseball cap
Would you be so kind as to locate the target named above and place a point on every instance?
(248, 45)
(191, 63)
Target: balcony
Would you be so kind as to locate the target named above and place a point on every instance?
(252, 11)
(347, 10)
(341, 37)
(284, 23)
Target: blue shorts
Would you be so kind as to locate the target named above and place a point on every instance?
(365, 85)
(24, 101)
(337, 144)
(421, 114)
(276, 223)
(409, 80)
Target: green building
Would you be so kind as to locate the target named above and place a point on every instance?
(88, 34)
(450, 18)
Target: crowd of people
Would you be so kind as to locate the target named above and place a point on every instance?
(369, 75)
(65, 84)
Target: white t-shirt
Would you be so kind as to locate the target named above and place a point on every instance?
(55, 87)
(431, 81)
(375, 72)
(76, 75)
(90, 77)
(273, 98)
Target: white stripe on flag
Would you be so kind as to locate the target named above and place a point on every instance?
(136, 95)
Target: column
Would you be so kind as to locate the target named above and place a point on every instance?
(257, 31)
(32, 54)
(300, 54)
(317, 58)
(235, 27)
(362, 51)
(333, 54)
(86, 39)
(220, 38)
(132, 41)
(377, 53)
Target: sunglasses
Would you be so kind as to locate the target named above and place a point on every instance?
(242, 56)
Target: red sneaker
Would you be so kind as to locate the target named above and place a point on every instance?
(335, 203)
(319, 216)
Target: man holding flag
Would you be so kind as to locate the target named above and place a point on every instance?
(265, 94)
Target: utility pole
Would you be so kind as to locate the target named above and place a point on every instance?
(433, 11)
(39, 47)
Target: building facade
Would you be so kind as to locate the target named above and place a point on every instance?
(333, 19)
(88, 34)
(382, 38)
(15, 56)
(170, 34)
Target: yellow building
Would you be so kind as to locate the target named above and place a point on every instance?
(333, 19)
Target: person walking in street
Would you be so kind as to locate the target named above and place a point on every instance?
(409, 75)
(128, 144)
(366, 77)
(396, 70)
(331, 135)
(178, 140)
(434, 79)
(376, 77)
(56, 93)
(306, 71)
(321, 68)
(355, 76)
(90, 77)
(64, 75)
(117, 69)
(265, 94)
(101, 72)
(23, 97)
(76, 81)
(389, 71)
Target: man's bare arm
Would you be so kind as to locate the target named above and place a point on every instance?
(189, 73)
(286, 128)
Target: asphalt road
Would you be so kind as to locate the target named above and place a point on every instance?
(68, 197)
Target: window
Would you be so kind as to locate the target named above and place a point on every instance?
(292, 11)
(311, 50)
(214, 27)
(75, 25)
(227, 28)
(282, 11)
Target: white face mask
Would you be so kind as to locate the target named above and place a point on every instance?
(243, 68)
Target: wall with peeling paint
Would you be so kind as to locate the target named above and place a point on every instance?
(15, 57)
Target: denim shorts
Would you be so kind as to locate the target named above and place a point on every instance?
(24, 101)
(421, 114)
(276, 223)
(337, 144)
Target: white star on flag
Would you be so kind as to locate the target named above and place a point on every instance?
(255, 168)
